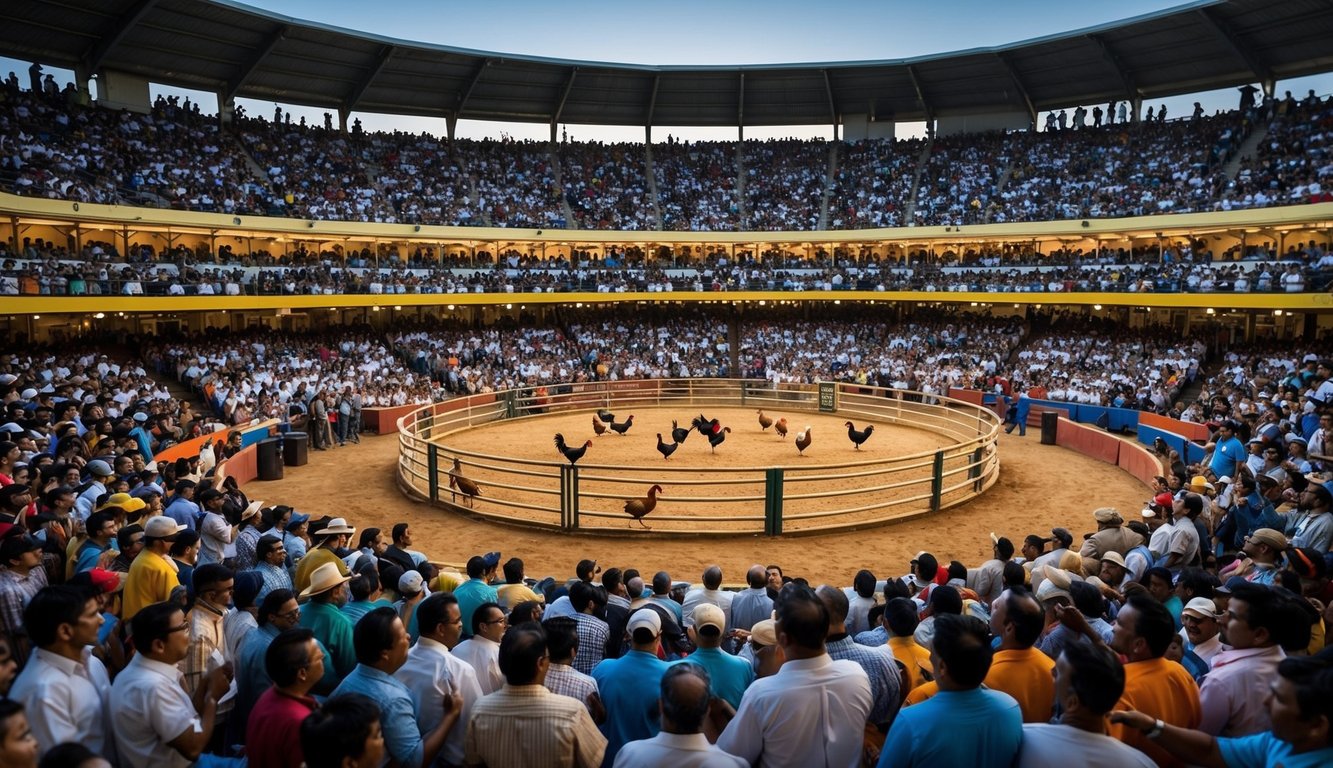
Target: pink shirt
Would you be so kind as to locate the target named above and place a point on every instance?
(1233, 695)
(273, 736)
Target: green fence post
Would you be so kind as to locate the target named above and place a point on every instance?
(773, 502)
(432, 466)
(937, 482)
(569, 498)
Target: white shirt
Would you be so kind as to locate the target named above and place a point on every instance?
(149, 707)
(66, 700)
(1045, 744)
(676, 750)
(696, 597)
(431, 673)
(483, 656)
(812, 712)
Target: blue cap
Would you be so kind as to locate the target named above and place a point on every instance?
(296, 519)
(491, 559)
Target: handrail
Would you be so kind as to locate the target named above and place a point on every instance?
(427, 441)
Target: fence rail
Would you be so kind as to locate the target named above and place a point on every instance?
(737, 500)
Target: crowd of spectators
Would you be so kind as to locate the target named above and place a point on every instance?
(874, 183)
(606, 186)
(696, 185)
(784, 184)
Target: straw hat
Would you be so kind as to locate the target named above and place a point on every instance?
(324, 578)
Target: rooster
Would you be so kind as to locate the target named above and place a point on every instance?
(764, 421)
(621, 428)
(468, 488)
(573, 454)
(715, 439)
(598, 427)
(678, 435)
(606, 415)
(666, 449)
(859, 437)
(638, 508)
(706, 426)
(803, 440)
(781, 428)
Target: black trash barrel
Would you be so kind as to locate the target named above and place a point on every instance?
(269, 458)
(296, 449)
(1049, 422)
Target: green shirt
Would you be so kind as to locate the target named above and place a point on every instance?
(334, 630)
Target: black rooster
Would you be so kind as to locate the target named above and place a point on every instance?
(606, 415)
(622, 427)
(707, 426)
(678, 435)
(573, 454)
(715, 439)
(859, 437)
(666, 449)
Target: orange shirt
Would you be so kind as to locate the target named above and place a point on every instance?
(1162, 690)
(921, 693)
(1025, 675)
(912, 656)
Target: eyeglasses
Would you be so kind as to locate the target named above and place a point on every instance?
(291, 615)
(501, 620)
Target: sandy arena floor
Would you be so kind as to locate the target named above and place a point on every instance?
(1039, 487)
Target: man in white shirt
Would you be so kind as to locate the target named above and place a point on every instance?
(1089, 680)
(482, 650)
(814, 710)
(711, 592)
(681, 743)
(154, 720)
(65, 688)
(432, 674)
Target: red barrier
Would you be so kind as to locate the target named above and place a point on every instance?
(1088, 441)
(1139, 462)
(966, 395)
(191, 447)
(1186, 429)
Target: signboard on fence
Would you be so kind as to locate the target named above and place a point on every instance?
(828, 397)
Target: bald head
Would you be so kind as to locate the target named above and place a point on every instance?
(684, 698)
(635, 587)
(835, 600)
(757, 577)
(713, 577)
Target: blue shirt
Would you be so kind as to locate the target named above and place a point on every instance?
(184, 511)
(729, 675)
(471, 594)
(980, 728)
(629, 687)
(1265, 749)
(1226, 456)
(398, 718)
(872, 637)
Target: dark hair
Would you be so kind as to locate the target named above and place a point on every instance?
(513, 569)
(367, 538)
(397, 531)
(1025, 612)
(946, 599)
(713, 577)
(273, 603)
(686, 713)
(1154, 623)
(476, 567)
(962, 644)
(337, 730)
(51, 607)
(611, 579)
(927, 566)
(562, 636)
(661, 583)
(523, 612)
(434, 611)
(580, 595)
(1198, 581)
(184, 540)
(1193, 504)
(287, 655)
(1159, 572)
(585, 569)
(373, 634)
(1015, 575)
(1004, 548)
(124, 534)
(71, 754)
(864, 583)
(521, 651)
(1099, 678)
(1265, 608)
(266, 546)
(900, 614)
(209, 574)
(479, 614)
(97, 521)
(153, 623)
(896, 588)
(956, 570)
(1313, 680)
(804, 617)
(366, 583)
(1087, 599)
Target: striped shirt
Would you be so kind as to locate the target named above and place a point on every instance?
(527, 725)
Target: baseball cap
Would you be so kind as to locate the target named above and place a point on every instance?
(645, 618)
(1114, 557)
(411, 583)
(162, 527)
(1272, 538)
(491, 559)
(765, 632)
(100, 468)
(1201, 607)
(14, 546)
(1107, 515)
(709, 615)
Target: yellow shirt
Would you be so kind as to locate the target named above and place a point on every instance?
(151, 579)
(1025, 675)
(1164, 691)
(513, 594)
(921, 693)
(314, 559)
(912, 656)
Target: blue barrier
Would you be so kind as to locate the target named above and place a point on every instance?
(1117, 419)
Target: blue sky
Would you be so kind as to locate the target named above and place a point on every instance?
(711, 32)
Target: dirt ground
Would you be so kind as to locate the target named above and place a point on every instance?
(1039, 487)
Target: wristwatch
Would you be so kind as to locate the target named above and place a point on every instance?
(1156, 730)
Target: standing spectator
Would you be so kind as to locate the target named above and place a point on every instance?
(562, 642)
(154, 720)
(277, 614)
(322, 615)
(593, 632)
(1251, 626)
(20, 580)
(901, 620)
(153, 574)
(433, 675)
(182, 507)
(814, 710)
(215, 533)
(295, 664)
(64, 686)
(477, 589)
(1088, 682)
(332, 538)
(381, 649)
(963, 724)
(729, 675)
(514, 590)
(628, 685)
(682, 706)
(271, 555)
(482, 650)
(880, 668)
(247, 537)
(345, 732)
(1018, 668)
(525, 725)
(213, 588)
(860, 602)
(752, 605)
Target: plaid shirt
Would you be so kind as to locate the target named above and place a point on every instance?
(274, 578)
(593, 634)
(15, 593)
(567, 681)
(882, 670)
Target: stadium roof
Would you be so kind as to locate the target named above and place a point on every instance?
(239, 51)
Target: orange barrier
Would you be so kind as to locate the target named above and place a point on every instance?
(966, 395)
(1088, 441)
(382, 421)
(191, 447)
(1139, 462)
(1186, 429)
(244, 466)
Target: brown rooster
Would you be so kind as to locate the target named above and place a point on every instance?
(803, 440)
(638, 508)
(764, 421)
(781, 428)
(598, 427)
(467, 487)
(573, 454)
